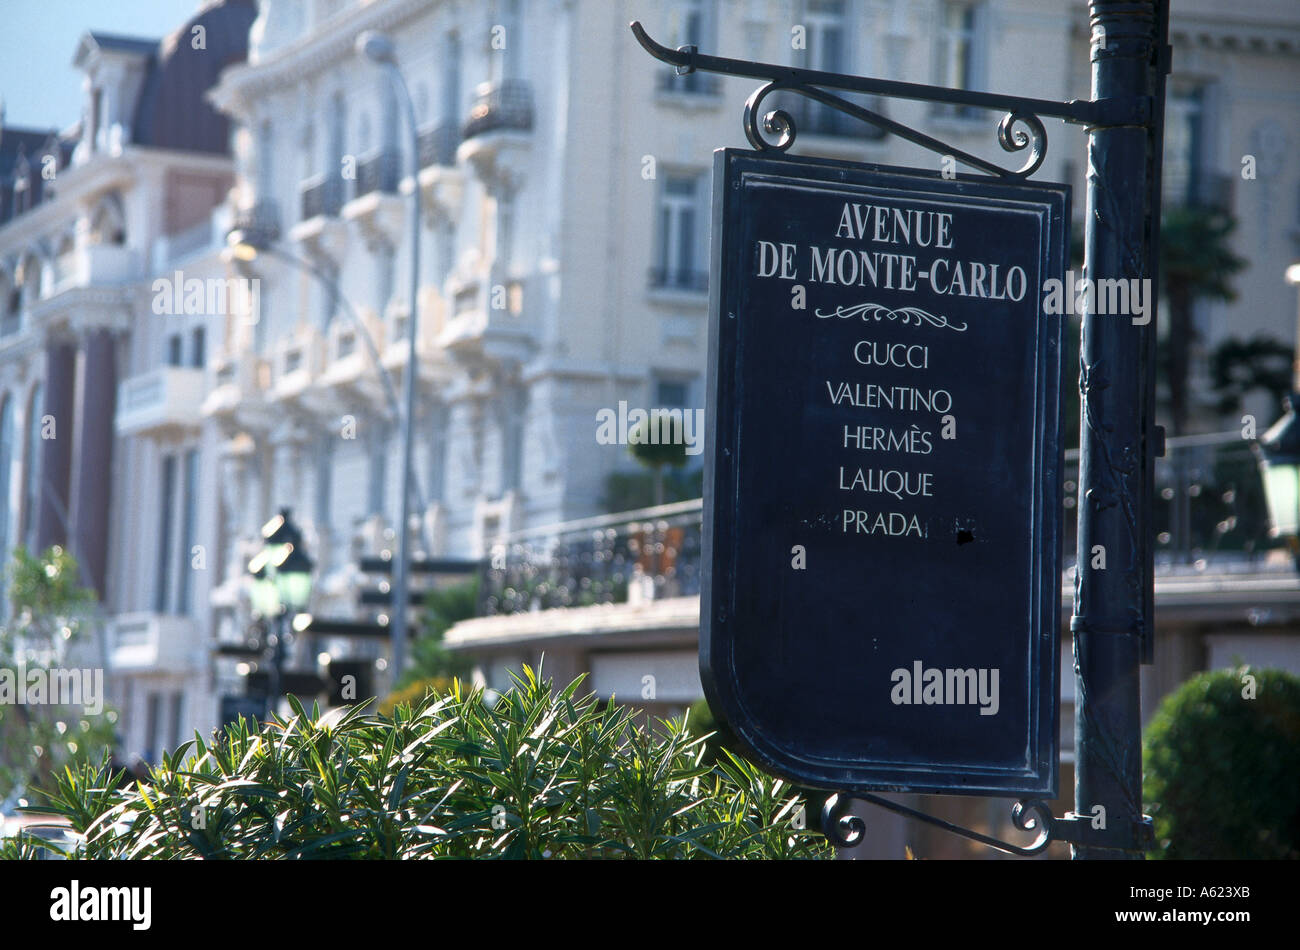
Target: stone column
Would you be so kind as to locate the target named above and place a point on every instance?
(95, 455)
(56, 452)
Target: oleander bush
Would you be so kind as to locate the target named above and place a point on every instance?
(534, 774)
(1222, 767)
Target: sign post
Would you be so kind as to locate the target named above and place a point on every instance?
(899, 525)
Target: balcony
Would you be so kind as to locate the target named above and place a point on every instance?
(377, 208)
(349, 369)
(157, 643)
(438, 145)
(322, 196)
(298, 363)
(320, 228)
(488, 324)
(378, 172)
(260, 223)
(161, 402)
(505, 106)
(239, 389)
(498, 133)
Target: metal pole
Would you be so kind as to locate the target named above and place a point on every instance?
(401, 571)
(1112, 617)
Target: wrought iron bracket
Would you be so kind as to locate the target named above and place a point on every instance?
(845, 829)
(1020, 128)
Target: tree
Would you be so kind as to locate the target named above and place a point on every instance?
(48, 614)
(1222, 767)
(657, 454)
(1238, 368)
(1196, 262)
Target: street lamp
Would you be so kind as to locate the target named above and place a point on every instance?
(281, 588)
(1279, 465)
(379, 49)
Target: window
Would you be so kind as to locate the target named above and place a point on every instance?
(34, 445)
(680, 248)
(959, 58)
(378, 474)
(177, 705)
(451, 82)
(174, 350)
(672, 394)
(514, 406)
(437, 427)
(185, 589)
(827, 28)
(162, 586)
(198, 354)
(153, 715)
(1183, 170)
(691, 25)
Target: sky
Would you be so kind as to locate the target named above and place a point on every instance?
(39, 87)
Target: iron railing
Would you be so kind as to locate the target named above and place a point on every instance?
(322, 197)
(378, 172)
(653, 553)
(501, 106)
(438, 145)
(647, 554)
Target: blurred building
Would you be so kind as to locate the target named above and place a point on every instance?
(100, 439)
(564, 180)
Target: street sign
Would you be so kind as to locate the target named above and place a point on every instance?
(883, 477)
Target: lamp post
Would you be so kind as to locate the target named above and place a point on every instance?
(247, 244)
(281, 587)
(379, 49)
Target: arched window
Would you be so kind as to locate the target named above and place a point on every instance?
(32, 481)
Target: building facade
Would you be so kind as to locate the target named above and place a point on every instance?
(564, 185)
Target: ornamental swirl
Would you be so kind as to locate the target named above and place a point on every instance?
(906, 315)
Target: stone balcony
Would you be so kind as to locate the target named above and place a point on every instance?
(162, 402)
(156, 643)
(489, 323)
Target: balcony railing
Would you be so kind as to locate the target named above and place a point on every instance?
(322, 196)
(260, 221)
(378, 172)
(670, 278)
(646, 554)
(502, 106)
(438, 145)
(654, 553)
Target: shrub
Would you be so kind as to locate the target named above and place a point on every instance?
(1223, 770)
(536, 774)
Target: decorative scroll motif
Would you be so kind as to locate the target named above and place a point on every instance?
(780, 123)
(1020, 129)
(846, 830)
(904, 315)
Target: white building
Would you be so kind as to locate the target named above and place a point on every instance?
(564, 186)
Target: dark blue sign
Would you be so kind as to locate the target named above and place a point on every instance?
(883, 480)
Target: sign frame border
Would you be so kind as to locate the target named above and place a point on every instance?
(718, 593)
